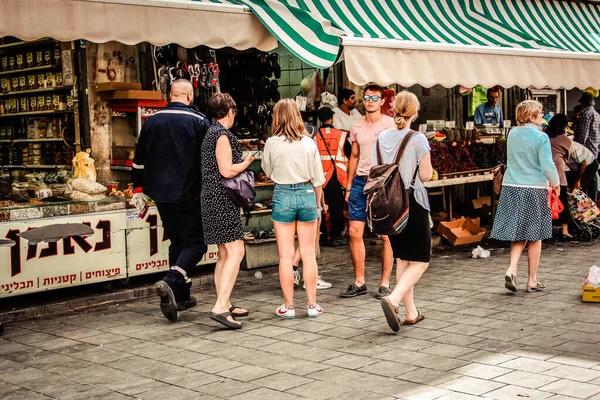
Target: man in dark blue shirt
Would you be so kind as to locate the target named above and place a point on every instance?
(490, 112)
(166, 167)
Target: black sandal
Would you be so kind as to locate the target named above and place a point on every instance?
(222, 318)
(242, 314)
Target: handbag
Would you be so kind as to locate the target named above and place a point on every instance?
(240, 189)
(499, 171)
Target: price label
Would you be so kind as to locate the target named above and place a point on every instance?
(507, 123)
(450, 124)
(422, 127)
(301, 101)
(470, 125)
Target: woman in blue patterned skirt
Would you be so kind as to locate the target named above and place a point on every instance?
(523, 212)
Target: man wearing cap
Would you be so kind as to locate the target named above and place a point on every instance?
(587, 132)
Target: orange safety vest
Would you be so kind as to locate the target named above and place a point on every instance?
(334, 142)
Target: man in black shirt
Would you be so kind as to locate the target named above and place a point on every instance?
(166, 167)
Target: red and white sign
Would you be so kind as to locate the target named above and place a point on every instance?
(147, 247)
(72, 261)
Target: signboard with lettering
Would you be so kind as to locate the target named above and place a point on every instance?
(73, 261)
(147, 246)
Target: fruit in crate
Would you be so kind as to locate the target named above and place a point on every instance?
(449, 134)
(439, 136)
(435, 176)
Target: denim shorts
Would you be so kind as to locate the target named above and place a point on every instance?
(295, 202)
(357, 200)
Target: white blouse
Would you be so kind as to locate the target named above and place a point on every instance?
(287, 162)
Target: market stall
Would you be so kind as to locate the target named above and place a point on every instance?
(36, 181)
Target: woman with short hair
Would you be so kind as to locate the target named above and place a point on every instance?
(523, 213)
(412, 246)
(222, 158)
(291, 159)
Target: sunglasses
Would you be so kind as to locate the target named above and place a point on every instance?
(375, 98)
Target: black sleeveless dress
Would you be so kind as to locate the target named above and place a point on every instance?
(220, 216)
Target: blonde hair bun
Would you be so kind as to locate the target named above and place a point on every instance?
(406, 108)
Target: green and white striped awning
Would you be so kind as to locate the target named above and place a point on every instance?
(493, 33)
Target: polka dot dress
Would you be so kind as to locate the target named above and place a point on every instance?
(220, 216)
(523, 214)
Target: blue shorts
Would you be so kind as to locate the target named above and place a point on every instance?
(295, 202)
(357, 200)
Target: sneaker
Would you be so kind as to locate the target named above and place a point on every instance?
(354, 290)
(168, 305)
(382, 292)
(184, 305)
(321, 284)
(314, 311)
(286, 312)
(296, 277)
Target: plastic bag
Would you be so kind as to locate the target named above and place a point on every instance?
(312, 87)
(593, 278)
(479, 252)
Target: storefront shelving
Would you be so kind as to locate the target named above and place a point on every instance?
(32, 91)
(37, 140)
(31, 113)
(31, 69)
(32, 43)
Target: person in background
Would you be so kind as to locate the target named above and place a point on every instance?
(345, 112)
(587, 132)
(412, 246)
(291, 159)
(363, 137)
(490, 112)
(222, 158)
(523, 213)
(569, 156)
(167, 168)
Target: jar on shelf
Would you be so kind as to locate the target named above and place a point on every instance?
(41, 81)
(70, 103)
(23, 104)
(14, 83)
(20, 61)
(50, 80)
(47, 57)
(33, 103)
(41, 103)
(57, 56)
(4, 85)
(49, 102)
(29, 59)
(31, 82)
(59, 79)
(39, 58)
(23, 82)
(4, 63)
(12, 63)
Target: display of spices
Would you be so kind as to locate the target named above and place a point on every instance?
(25, 213)
(113, 205)
(82, 208)
(55, 211)
(4, 216)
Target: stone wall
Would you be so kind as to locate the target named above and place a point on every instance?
(107, 62)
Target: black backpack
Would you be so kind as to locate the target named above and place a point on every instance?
(387, 198)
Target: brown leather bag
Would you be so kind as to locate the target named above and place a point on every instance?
(498, 172)
(387, 198)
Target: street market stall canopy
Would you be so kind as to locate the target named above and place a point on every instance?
(538, 43)
(189, 23)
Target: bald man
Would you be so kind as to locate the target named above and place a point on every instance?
(166, 167)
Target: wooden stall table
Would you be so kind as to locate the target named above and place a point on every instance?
(450, 182)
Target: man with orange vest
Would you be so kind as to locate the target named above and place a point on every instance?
(334, 150)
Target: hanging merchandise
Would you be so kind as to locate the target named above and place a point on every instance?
(83, 165)
(426, 92)
(312, 87)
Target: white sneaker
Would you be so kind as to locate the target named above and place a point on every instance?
(314, 311)
(286, 312)
(296, 277)
(321, 284)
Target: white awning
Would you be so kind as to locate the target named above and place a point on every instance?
(160, 22)
(428, 64)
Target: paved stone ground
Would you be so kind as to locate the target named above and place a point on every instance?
(477, 341)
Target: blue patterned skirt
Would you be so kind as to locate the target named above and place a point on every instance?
(523, 214)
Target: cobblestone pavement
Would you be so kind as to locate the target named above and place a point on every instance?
(477, 341)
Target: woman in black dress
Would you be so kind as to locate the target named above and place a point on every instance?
(222, 158)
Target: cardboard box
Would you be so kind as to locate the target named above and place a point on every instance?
(482, 201)
(590, 294)
(132, 94)
(112, 86)
(461, 231)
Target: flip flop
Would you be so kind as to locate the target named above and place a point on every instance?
(420, 317)
(222, 318)
(539, 287)
(510, 282)
(391, 314)
(242, 314)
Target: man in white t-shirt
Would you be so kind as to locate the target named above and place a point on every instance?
(345, 113)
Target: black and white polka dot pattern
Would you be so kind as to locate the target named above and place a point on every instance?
(220, 216)
(523, 214)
